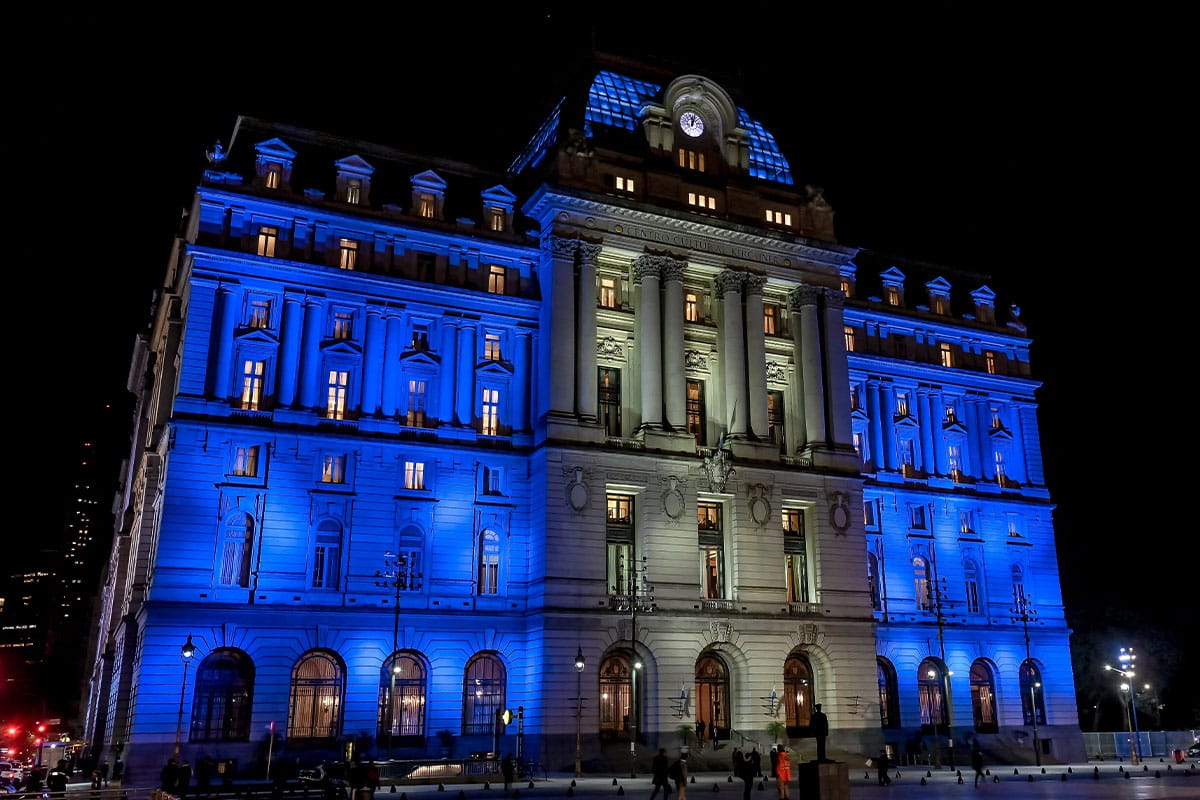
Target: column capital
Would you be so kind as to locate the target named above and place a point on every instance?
(754, 284)
(729, 281)
(560, 247)
(803, 295)
(672, 269)
(835, 299)
(589, 252)
(646, 267)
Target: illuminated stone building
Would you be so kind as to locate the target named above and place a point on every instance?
(628, 399)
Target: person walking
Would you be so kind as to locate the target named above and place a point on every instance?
(774, 761)
(977, 762)
(679, 775)
(882, 764)
(506, 767)
(819, 725)
(700, 733)
(746, 771)
(104, 772)
(783, 771)
(659, 767)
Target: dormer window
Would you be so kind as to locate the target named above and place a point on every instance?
(426, 205)
(891, 295)
(354, 180)
(496, 219)
(354, 192)
(273, 176)
(690, 159)
(940, 305)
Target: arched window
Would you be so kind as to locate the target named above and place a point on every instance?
(922, 584)
(327, 552)
(712, 693)
(614, 694)
(797, 693)
(931, 696)
(1032, 698)
(889, 699)
(402, 690)
(983, 698)
(489, 563)
(483, 694)
(222, 703)
(315, 708)
(233, 559)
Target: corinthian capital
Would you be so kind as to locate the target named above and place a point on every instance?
(803, 296)
(560, 247)
(729, 281)
(754, 284)
(646, 267)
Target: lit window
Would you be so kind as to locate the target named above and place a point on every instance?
(420, 338)
(770, 320)
(491, 346)
(947, 354)
(245, 462)
(998, 457)
(690, 159)
(997, 422)
(326, 555)
(496, 219)
(702, 201)
(1013, 530)
(849, 333)
(855, 397)
(425, 205)
(795, 556)
(608, 292)
(954, 456)
(337, 387)
(354, 191)
(691, 308)
(273, 176)
(951, 413)
(892, 295)
(940, 305)
(348, 256)
(490, 412)
(708, 516)
(260, 313)
(989, 358)
(414, 475)
(696, 419)
(415, 416)
(971, 581)
(711, 550)
(343, 325)
(496, 275)
(252, 383)
(845, 286)
(779, 217)
(268, 235)
(902, 404)
(608, 392)
(489, 563)
(922, 584)
(966, 521)
(333, 468)
(624, 184)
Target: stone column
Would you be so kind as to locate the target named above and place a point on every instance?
(373, 354)
(392, 349)
(979, 451)
(446, 376)
(803, 300)
(887, 407)
(646, 272)
(733, 352)
(875, 412)
(837, 377)
(225, 312)
(558, 323)
(310, 352)
(585, 334)
(464, 390)
(673, 378)
(756, 355)
(937, 434)
(1016, 465)
(289, 351)
(926, 419)
(521, 381)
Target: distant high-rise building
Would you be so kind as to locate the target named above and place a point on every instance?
(413, 435)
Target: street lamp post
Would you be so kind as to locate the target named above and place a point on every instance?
(185, 653)
(940, 603)
(579, 665)
(1023, 612)
(639, 598)
(400, 575)
(1126, 671)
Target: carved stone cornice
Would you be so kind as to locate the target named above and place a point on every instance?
(728, 281)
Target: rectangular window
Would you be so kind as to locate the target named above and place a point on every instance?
(966, 522)
(619, 538)
(916, 517)
(711, 541)
(333, 468)
(1013, 529)
(414, 475)
(325, 559)
(795, 549)
(998, 457)
(941, 305)
(770, 320)
(420, 339)
(691, 308)
(997, 422)
(343, 325)
(624, 184)
(908, 454)
(690, 159)
(491, 346)
(775, 418)
(947, 354)
(869, 513)
(245, 462)
(347, 253)
(608, 292)
(253, 375)
(902, 404)
(354, 191)
(695, 411)
(415, 416)
(951, 412)
(989, 358)
(954, 456)
(236, 542)
(849, 333)
(337, 388)
(260, 313)
(855, 397)
(426, 205)
(426, 267)
(489, 414)
(846, 287)
(702, 201)
(972, 592)
(496, 219)
(496, 275)
(493, 480)
(273, 176)
(268, 235)
(777, 217)
(892, 295)
(489, 563)
(609, 389)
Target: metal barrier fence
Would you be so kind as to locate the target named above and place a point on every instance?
(1150, 744)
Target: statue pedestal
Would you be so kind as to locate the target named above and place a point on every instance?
(824, 781)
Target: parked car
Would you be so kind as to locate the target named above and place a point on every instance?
(1194, 750)
(11, 772)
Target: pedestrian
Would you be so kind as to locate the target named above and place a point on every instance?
(506, 768)
(183, 778)
(775, 761)
(783, 772)
(166, 778)
(819, 725)
(735, 762)
(756, 760)
(104, 773)
(712, 732)
(659, 767)
(882, 763)
(977, 762)
(118, 769)
(96, 779)
(747, 773)
(700, 732)
(679, 775)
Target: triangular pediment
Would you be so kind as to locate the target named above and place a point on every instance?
(892, 277)
(499, 195)
(954, 427)
(907, 423)
(429, 180)
(354, 165)
(274, 150)
(341, 347)
(1002, 434)
(258, 336)
(939, 286)
(419, 358)
(490, 367)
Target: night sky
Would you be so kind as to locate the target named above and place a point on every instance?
(1011, 146)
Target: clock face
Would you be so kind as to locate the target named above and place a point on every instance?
(691, 124)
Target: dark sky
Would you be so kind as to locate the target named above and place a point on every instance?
(1015, 145)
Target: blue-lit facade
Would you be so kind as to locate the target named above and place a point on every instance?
(411, 434)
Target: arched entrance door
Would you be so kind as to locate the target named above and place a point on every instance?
(712, 694)
(798, 693)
